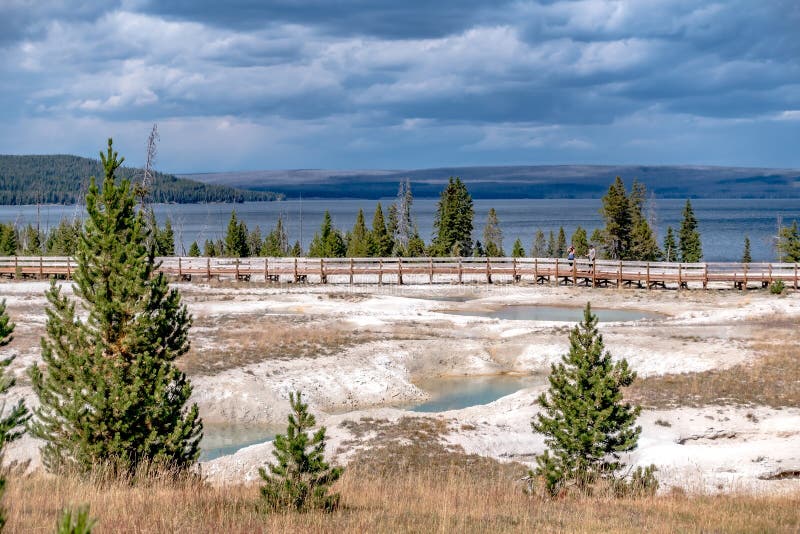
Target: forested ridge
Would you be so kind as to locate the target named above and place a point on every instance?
(64, 179)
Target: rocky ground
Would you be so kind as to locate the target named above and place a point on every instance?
(357, 354)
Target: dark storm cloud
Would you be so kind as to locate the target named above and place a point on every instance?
(380, 18)
(374, 77)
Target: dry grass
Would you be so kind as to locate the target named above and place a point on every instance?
(374, 500)
(772, 380)
(243, 340)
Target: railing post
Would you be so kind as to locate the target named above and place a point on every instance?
(795, 277)
(460, 271)
(744, 282)
(488, 270)
(430, 272)
(535, 270)
(208, 268)
(351, 271)
(556, 276)
(322, 277)
(16, 266)
(400, 271)
(69, 270)
(648, 276)
(680, 274)
(514, 262)
(705, 276)
(296, 274)
(266, 270)
(41, 268)
(180, 268)
(770, 273)
(619, 274)
(237, 269)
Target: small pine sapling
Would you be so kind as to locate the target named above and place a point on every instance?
(301, 478)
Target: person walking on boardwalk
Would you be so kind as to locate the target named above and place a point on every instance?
(571, 255)
(592, 254)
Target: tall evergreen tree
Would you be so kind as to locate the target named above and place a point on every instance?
(194, 250)
(379, 240)
(236, 238)
(209, 249)
(617, 215)
(164, 239)
(8, 240)
(539, 246)
(551, 245)
(671, 252)
(296, 251)
(580, 242)
(493, 235)
(517, 251)
(358, 244)
(254, 241)
(109, 390)
(328, 243)
(13, 422)
(584, 419)
(642, 245)
(301, 478)
(31, 241)
(789, 243)
(746, 258)
(416, 245)
(276, 244)
(63, 239)
(453, 222)
(561, 244)
(689, 237)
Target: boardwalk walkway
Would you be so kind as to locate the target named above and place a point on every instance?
(442, 270)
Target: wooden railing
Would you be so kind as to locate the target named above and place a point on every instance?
(440, 270)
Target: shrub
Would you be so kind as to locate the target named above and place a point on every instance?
(777, 287)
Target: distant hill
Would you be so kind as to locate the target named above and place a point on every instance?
(63, 179)
(551, 181)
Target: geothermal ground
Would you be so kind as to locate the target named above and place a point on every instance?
(718, 372)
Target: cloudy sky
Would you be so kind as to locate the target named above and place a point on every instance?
(258, 84)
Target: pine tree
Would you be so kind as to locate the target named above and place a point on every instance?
(379, 242)
(789, 243)
(453, 222)
(416, 245)
(31, 241)
(328, 243)
(164, 239)
(358, 243)
(209, 249)
(617, 215)
(551, 245)
(109, 392)
(13, 422)
(391, 228)
(493, 235)
(746, 258)
(517, 251)
(689, 237)
(561, 246)
(8, 240)
(478, 251)
(296, 251)
(63, 239)
(580, 242)
(301, 478)
(194, 250)
(539, 246)
(236, 238)
(670, 246)
(584, 419)
(254, 241)
(276, 244)
(642, 245)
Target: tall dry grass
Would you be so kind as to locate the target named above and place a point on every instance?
(375, 501)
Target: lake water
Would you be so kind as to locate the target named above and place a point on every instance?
(723, 222)
(559, 313)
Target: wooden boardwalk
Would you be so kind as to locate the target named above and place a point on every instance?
(602, 273)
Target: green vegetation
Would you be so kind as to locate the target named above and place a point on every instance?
(453, 222)
(379, 240)
(23, 179)
(584, 419)
(671, 252)
(517, 251)
(328, 242)
(789, 244)
(746, 257)
(75, 522)
(12, 423)
(109, 391)
(301, 478)
(493, 236)
(580, 242)
(689, 237)
(627, 234)
(357, 245)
